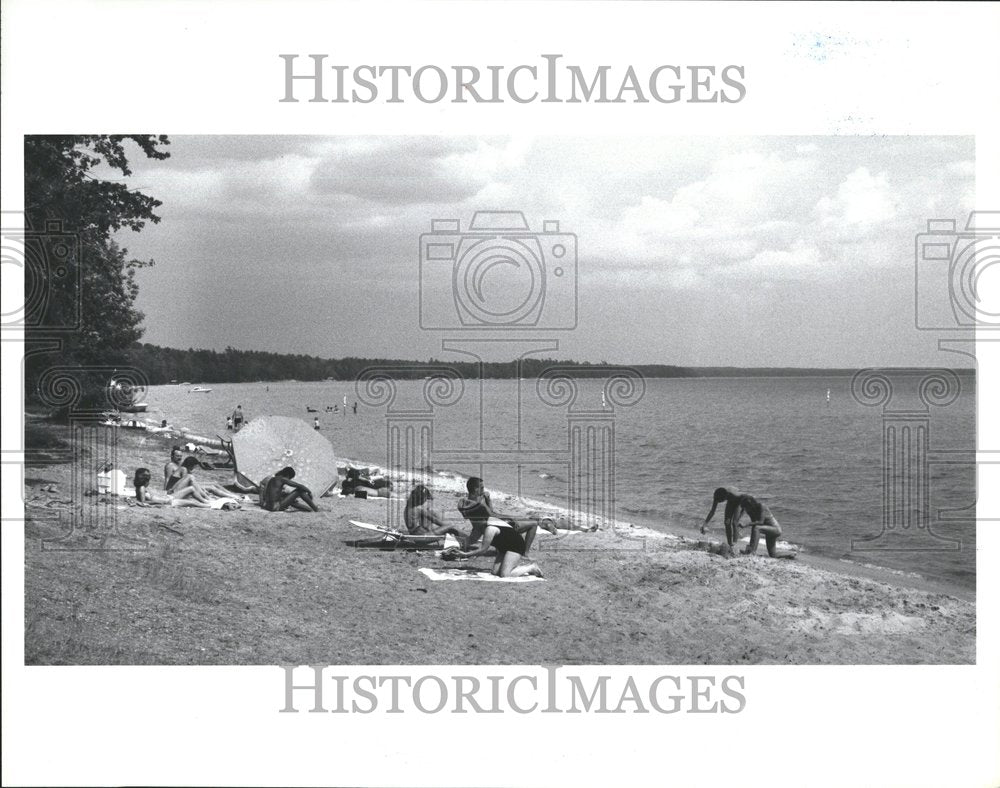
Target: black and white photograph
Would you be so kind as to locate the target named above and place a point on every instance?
(383, 403)
(683, 380)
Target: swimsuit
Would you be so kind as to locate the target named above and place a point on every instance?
(171, 482)
(509, 540)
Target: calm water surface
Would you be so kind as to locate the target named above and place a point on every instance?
(817, 464)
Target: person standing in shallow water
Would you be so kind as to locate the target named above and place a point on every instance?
(729, 516)
(761, 522)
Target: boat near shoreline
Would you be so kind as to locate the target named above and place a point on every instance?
(199, 390)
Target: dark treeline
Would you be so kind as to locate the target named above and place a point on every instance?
(164, 365)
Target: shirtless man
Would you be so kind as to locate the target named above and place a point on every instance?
(732, 499)
(176, 477)
(761, 522)
(274, 498)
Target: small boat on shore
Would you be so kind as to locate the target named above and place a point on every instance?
(199, 390)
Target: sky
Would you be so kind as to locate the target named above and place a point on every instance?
(756, 251)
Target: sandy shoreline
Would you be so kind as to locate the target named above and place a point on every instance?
(190, 586)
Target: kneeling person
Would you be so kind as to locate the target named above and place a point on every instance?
(510, 549)
(761, 522)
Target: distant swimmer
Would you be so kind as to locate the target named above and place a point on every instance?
(732, 499)
(311, 410)
(828, 396)
(315, 422)
(355, 406)
(761, 522)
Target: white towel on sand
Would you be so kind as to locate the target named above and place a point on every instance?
(464, 574)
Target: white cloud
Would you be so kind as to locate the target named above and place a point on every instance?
(688, 220)
(800, 260)
(862, 200)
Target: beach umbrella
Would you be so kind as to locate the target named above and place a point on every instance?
(269, 443)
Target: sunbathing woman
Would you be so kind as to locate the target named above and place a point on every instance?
(420, 518)
(187, 472)
(183, 497)
(510, 549)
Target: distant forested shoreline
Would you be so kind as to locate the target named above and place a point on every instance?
(172, 365)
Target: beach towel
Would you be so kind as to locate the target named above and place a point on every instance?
(465, 574)
(224, 503)
(128, 493)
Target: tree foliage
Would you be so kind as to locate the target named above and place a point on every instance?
(167, 365)
(80, 287)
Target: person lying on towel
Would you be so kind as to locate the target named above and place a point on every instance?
(185, 496)
(188, 467)
(279, 492)
(362, 485)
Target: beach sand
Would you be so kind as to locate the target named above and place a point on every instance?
(176, 586)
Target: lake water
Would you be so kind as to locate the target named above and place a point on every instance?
(816, 463)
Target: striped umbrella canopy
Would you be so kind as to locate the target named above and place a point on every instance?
(269, 443)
